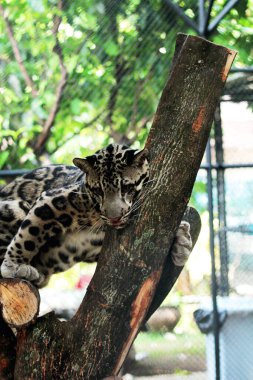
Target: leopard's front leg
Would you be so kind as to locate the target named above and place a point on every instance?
(182, 246)
(42, 223)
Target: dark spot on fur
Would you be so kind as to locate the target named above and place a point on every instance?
(77, 259)
(44, 212)
(65, 220)
(96, 242)
(110, 148)
(59, 171)
(53, 243)
(71, 249)
(48, 226)
(29, 175)
(57, 269)
(28, 191)
(25, 224)
(24, 207)
(129, 156)
(29, 245)
(45, 248)
(56, 230)
(4, 243)
(51, 262)
(74, 200)
(7, 215)
(34, 230)
(60, 203)
(64, 258)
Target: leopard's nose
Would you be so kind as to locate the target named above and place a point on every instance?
(114, 220)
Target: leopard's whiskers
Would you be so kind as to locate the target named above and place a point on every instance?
(138, 202)
(95, 227)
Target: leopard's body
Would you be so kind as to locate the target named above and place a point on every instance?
(55, 216)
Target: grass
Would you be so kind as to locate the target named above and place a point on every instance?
(182, 351)
(157, 345)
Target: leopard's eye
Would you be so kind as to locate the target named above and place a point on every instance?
(128, 188)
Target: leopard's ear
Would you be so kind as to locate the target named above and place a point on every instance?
(140, 157)
(85, 164)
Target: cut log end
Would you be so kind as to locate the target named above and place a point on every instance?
(19, 301)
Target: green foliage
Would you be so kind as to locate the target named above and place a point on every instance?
(117, 55)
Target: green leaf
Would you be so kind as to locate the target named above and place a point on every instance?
(75, 106)
(111, 48)
(3, 158)
(38, 110)
(37, 5)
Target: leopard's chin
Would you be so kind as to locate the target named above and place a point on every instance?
(118, 225)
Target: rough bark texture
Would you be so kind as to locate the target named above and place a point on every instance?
(95, 342)
(7, 351)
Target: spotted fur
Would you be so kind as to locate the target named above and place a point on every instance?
(55, 216)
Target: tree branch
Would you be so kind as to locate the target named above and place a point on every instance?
(17, 53)
(41, 140)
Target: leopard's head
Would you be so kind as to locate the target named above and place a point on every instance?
(115, 177)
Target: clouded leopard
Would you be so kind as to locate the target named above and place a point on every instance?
(55, 216)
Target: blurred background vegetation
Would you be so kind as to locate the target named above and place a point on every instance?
(76, 75)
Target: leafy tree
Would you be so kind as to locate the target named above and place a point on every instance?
(77, 74)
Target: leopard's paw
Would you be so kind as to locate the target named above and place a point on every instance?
(183, 245)
(41, 281)
(9, 269)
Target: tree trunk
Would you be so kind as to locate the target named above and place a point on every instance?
(95, 342)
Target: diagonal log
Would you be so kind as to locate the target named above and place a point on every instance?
(94, 344)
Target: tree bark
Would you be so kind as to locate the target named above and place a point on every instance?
(19, 302)
(94, 344)
(7, 351)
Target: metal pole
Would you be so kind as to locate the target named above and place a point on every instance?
(216, 331)
(216, 326)
(180, 12)
(207, 20)
(213, 25)
(221, 193)
(202, 17)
